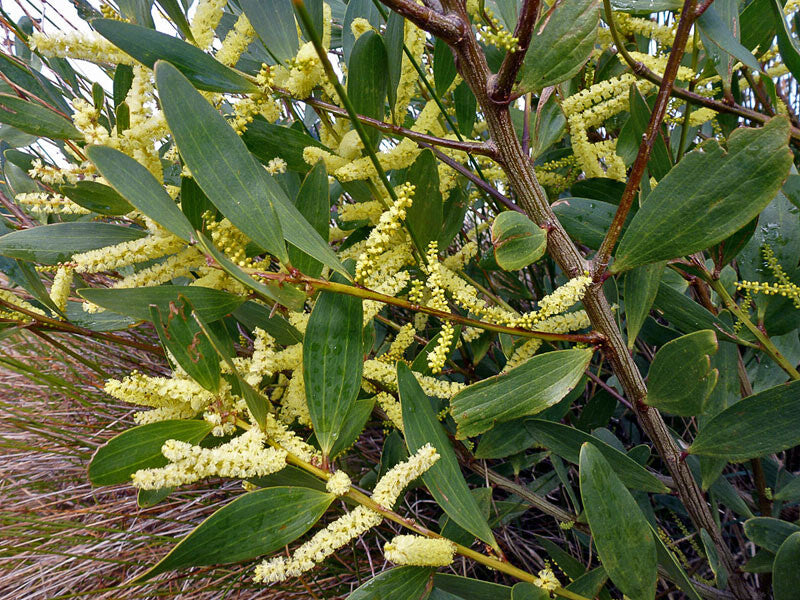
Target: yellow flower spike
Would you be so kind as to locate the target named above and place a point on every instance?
(339, 484)
(206, 18)
(59, 292)
(416, 550)
(236, 41)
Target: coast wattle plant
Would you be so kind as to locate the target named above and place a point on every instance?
(506, 290)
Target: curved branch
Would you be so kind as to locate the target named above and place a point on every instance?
(500, 85)
(448, 27)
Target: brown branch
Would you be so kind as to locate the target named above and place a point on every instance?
(649, 138)
(500, 84)
(448, 27)
(480, 148)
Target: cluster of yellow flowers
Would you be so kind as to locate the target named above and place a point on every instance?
(243, 456)
(12, 298)
(59, 292)
(349, 526)
(496, 35)
(42, 203)
(438, 301)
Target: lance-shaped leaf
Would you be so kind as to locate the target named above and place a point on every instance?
(620, 531)
(254, 524)
(274, 23)
(400, 583)
(517, 241)
(755, 426)
(96, 197)
(566, 442)
(140, 448)
(231, 178)
(641, 287)
(367, 79)
(471, 589)
(148, 46)
(680, 377)
(785, 569)
(175, 12)
(525, 390)
(424, 216)
(564, 40)
(708, 196)
(313, 202)
(220, 162)
(444, 479)
(138, 186)
(786, 44)
(36, 119)
(332, 363)
(135, 302)
(180, 333)
(56, 243)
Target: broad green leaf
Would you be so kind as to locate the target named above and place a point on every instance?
(712, 194)
(471, 589)
(517, 241)
(641, 287)
(313, 202)
(525, 390)
(273, 21)
(719, 571)
(138, 186)
(220, 162)
(148, 498)
(332, 363)
(367, 79)
(548, 127)
(135, 302)
(684, 313)
(102, 321)
(267, 141)
(444, 67)
(758, 26)
(140, 448)
(400, 583)
(36, 119)
(56, 243)
(755, 426)
(286, 295)
(194, 203)
(424, 216)
(620, 531)
(680, 377)
(254, 524)
(180, 333)
(564, 41)
(252, 315)
(364, 9)
(148, 46)
(762, 562)
(785, 571)
(96, 197)
(769, 533)
(566, 442)
(289, 476)
(444, 479)
(589, 584)
(504, 439)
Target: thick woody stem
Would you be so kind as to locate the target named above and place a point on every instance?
(472, 65)
(649, 138)
(500, 85)
(448, 28)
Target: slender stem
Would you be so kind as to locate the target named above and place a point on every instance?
(688, 110)
(311, 285)
(479, 148)
(500, 85)
(765, 343)
(457, 166)
(651, 134)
